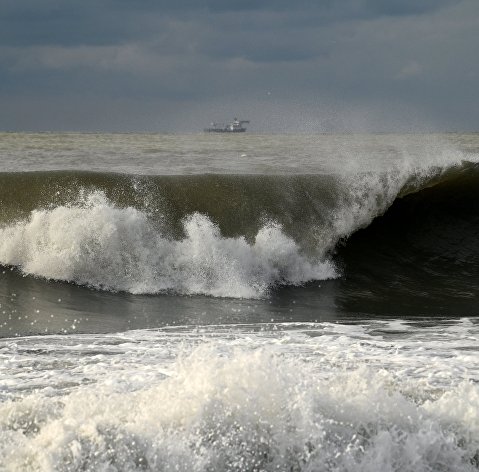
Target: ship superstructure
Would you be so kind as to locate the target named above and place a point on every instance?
(236, 126)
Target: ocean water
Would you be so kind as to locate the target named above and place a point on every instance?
(239, 303)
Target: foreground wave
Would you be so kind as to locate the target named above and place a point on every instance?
(296, 397)
(228, 236)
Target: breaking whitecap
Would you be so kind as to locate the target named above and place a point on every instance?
(95, 243)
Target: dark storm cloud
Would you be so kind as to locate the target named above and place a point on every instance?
(68, 22)
(190, 56)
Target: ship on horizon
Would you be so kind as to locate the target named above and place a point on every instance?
(236, 126)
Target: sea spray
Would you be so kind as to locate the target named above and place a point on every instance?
(296, 397)
(95, 243)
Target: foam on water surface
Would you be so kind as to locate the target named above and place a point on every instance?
(369, 397)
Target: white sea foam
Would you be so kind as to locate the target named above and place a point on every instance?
(103, 246)
(299, 397)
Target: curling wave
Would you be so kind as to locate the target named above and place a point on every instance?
(233, 235)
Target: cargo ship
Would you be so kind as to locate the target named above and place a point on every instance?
(236, 126)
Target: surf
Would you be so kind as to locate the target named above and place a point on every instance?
(297, 396)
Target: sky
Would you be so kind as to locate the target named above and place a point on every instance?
(288, 66)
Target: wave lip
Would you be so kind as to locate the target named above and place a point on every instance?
(95, 243)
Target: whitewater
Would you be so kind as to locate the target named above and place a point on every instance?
(243, 303)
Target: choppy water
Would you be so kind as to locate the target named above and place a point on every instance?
(246, 302)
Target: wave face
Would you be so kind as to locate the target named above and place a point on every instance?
(424, 249)
(234, 235)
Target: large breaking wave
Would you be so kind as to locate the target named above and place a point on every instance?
(225, 235)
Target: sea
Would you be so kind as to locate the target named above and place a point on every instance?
(247, 302)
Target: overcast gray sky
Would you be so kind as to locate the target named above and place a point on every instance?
(298, 65)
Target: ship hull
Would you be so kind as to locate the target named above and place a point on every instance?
(220, 130)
